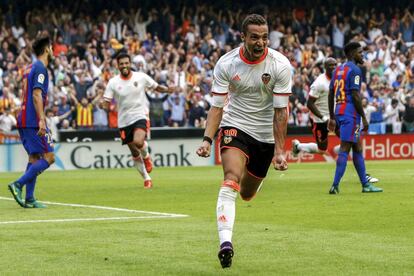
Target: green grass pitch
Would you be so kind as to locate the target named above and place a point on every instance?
(292, 226)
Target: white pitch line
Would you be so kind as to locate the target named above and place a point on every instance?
(79, 219)
(158, 214)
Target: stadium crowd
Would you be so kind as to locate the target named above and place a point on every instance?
(179, 44)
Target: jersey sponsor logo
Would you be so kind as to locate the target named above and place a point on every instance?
(356, 80)
(236, 78)
(41, 78)
(266, 78)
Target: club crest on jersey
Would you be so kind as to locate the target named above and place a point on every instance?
(266, 78)
(135, 83)
(227, 139)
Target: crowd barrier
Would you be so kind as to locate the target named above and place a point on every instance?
(177, 148)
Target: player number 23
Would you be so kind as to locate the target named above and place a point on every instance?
(339, 86)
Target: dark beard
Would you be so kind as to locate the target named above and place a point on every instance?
(129, 71)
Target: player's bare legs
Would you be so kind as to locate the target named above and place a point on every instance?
(249, 186)
(142, 145)
(234, 162)
(320, 147)
(134, 147)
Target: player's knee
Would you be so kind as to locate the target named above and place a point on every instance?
(247, 196)
(322, 147)
(139, 143)
(34, 157)
(50, 158)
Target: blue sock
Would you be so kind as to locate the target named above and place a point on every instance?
(30, 186)
(19, 184)
(340, 167)
(359, 165)
(35, 169)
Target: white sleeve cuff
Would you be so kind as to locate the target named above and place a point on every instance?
(280, 101)
(219, 100)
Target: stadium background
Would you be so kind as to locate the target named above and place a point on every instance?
(179, 44)
(102, 222)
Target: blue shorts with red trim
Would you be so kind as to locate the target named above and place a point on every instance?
(349, 128)
(33, 143)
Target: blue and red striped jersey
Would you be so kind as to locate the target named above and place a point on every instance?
(35, 76)
(345, 78)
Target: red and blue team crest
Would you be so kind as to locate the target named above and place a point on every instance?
(266, 78)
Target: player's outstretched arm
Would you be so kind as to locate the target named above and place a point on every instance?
(356, 99)
(312, 107)
(213, 121)
(280, 120)
(332, 122)
(38, 104)
(165, 89)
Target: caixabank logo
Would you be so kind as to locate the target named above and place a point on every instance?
(88, 156)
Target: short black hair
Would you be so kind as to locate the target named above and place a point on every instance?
(122, 55)
(253, 19)
(350, 47)
(40, 44)
(394, 101)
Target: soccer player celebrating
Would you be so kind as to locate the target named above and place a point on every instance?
(318, 105)
(344, 90)
(255, 81)
(31, 123)
(128, 89)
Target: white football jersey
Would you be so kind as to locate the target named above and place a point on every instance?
(250, 88)
(130, 96)
(320, 91)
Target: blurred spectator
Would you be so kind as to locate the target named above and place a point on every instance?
(408, 119)
(113, 115)
(84, 111)
(392, 116)
(197, 112)
(7, 121)
(178, 115)
(156, 110)
(53, 120)
(368, 108)
(376, 124)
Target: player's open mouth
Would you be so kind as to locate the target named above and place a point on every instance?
(258, 51)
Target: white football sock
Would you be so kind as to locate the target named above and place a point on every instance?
(336, 149)
(144, 150)
(226, 212)
(308, 147)
(139, 164)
